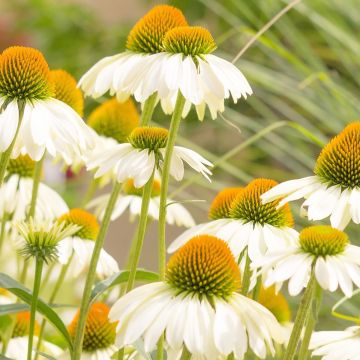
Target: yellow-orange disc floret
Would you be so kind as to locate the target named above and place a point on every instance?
(89, 227)
(276, 303)
(145, 137)
(204, 266)
(130, 189)
(66, 90)
(23, 166)
(339, 161)
(148, 33)
(221, 205)
(99, 331)
(24, 74)
(22, 325)
(189, 40)
(248, 206)
(323, 240)
(115, 120)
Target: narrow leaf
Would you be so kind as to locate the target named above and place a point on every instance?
(25, 295)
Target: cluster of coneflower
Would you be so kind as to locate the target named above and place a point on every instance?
(219, 295)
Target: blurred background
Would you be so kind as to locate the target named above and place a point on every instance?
(304, 72)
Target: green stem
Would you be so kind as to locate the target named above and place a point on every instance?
(6, 154)
(146, 197)
(311, 322)
(90, 192)
(256, 291)
(35, 188)
(79, 335)
(35, 296)
(245, 282)
(174, 127)
(2, 230)
(52, 297)
(300, 318)
(148, 109)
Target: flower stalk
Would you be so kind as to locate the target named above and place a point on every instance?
(311, 323)
(134, 260)
(300, 318)
(174, 127)
(36, 288)
(84, 308)
(52, 297)
(148, 109)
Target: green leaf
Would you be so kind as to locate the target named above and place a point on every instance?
(25, 295)
(16, 308)
(120, 278)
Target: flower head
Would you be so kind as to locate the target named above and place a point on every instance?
(88, 227)
(24, 74)
(198, 307)
(23, 166)
(339, 161)
(248, 207)
(276, 303)
(142, 155)
(165, 56)
(42, 238)
(205, 267)
(22, 325)
(81, 243)
(113, 119)
(335, 189)
(243, 222)
(189, 40)
(220, 207)
(321, 249)
(148, 33)
(99, 331)
(322, 240)
(66, 90)
(149, 138)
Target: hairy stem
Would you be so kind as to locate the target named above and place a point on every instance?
(35, 296)
(300, 318)
(84, 308)
(134, 260)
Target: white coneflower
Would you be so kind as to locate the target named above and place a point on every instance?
(17, 345)
(166, 56)
(16, 193)
(132, 199)
(198, 307)
(139, 158)
(335, 345)
(27, 96)
(82, 244)
(120, 73)
(248, 223)
(335, 189)
(335, 261)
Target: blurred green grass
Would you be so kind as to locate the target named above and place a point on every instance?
(303, 70)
